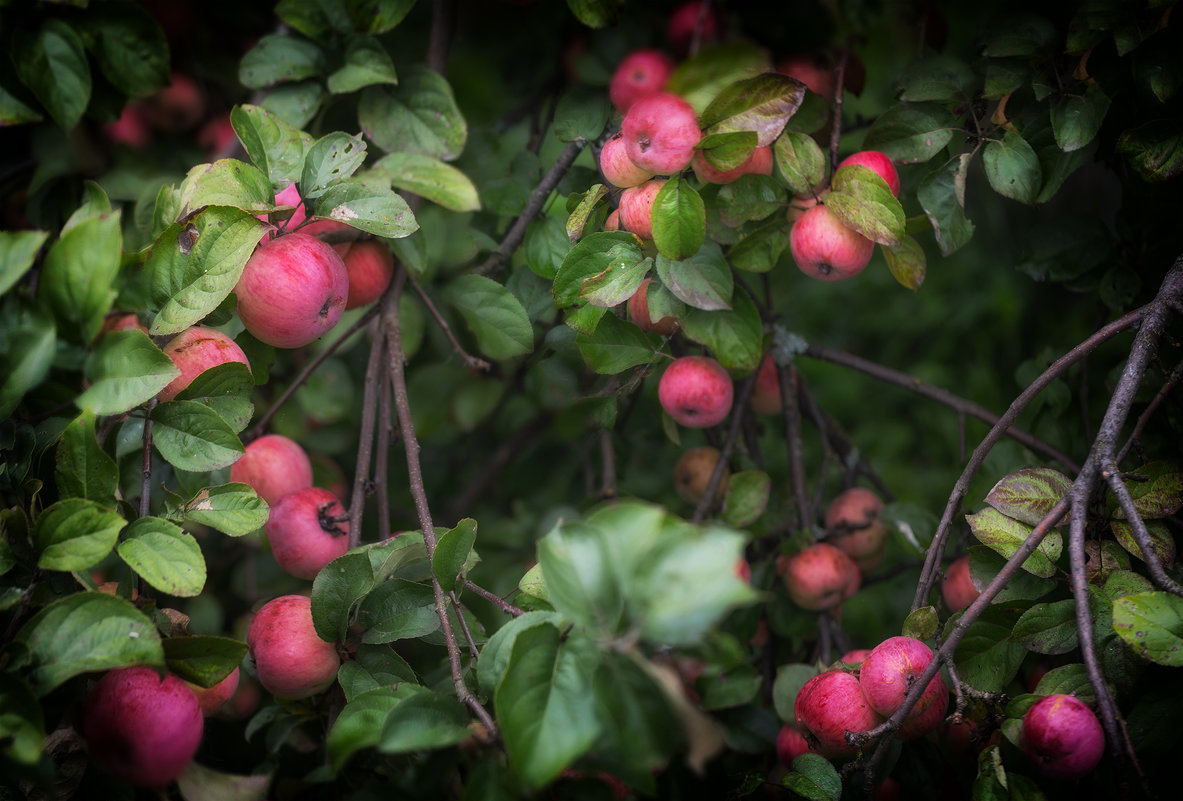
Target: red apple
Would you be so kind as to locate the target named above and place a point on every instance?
(291, 660)
(211, 699)
(829, 705)
(292, 290)
(612, 221)
(636, 207)
(855, 656)
(685, 20)
(177, 107)
(140, 727)
(370, 266)
(305, 532)
(217, 137)
(274, 466)
(660, 132)
(696, 391)
(800, 205)
(820, 577)
(853, 524)
(824, 248)
(642, 73)
(887, 674)
(618, 169)
(790, 744)
(196, 350)
(958, 588)
(765, 398)
(878, 162)
(693, 471)
(130, 129)
(638, 312)
(759, 163)
(1062, 737)
(810, 70)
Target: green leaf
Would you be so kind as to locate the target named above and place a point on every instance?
(365, 205)
(1012, 168)
(584, 211)
(800, 162)
(921, 624)
(18, 250)
(129, 46)
(83, 469)
(296, 103)
(276, 148)
(164, 556)
(1019, 34)
(637, 718)
(431, 179)
(425, 720)
(496, 318)
(750, 197)
(1076, 118)
(374, 666)
(193, 437)
(203, 660)
(1028, 495)
(1156, 488)
(348, 578)
(985, 564)
(366, 63)
(1154, 150)
(78, 276)
(226, 388)
(679, 219)
(497, 651)
(790, 678)
(545, 246)
(861, 199)
(76, 534)
(702, 76)
(1048, 628)
(14, 111)
(747, 497)
(759, 250)
(907, 262)
(592, 256)
(376, 16)
(580, 576)
(31, 344)
(226, 182)
(545, 703)
(452, 551)
(1067, 680)
(361, 721)
(911, 132)
(615, 346)
(942, 195)
(987, 658)
(397, 610)
(22, 723)
(233, 509)
(734, 335)
(595, 13)
(52, 62)
(581, 114)
(1004, 535)
(1003, 77)
(124, 371)
(619, 281)
(1161, 540)
(1151, 624)
(193, 266)
(762, 104)
(726, 151)
(936, 78)
(279, 57)
(331, 159)
(83, 633)
(420, 115)
(813, 777)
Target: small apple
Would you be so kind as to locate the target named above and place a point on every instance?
(217, 137)
(853, 524)
(759, 163)
(638, 312)
(196, 350)
(695, 15)
(958, 588)
(1062, 737)
(693, 471)
(618, 169)
(799, 205)
(765, 398)
(829, 705)
(612, 221)
(696, 391)
(636, 207)
(790, 744)
(291, 660)
(810, 70)
(888, 673)
(824, 248)
(306, 531)
(855, 656)
(130, 129)
(878, 162)
(370, 266)
(640, 74)
(175, 108)
(141, 728)
(211, 699)
(660, 132)
(292, 290)
(274, 466)
(820, 577)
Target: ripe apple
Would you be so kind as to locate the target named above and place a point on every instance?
(370, 266)
(130, 129)
(855, 656)
(958, 588)
(800, 205)
(810, 70)
(211, 699)
(878, 162)
(274, 466)
(217, 137)
(853, 524)
(680, 27)
(696, 391)
(305, 531)
(693, 471)
(820, 577)
(196, 350)
(638, 312)
(660, 132)
(177, 107)
(618, 169)
(1062, 737)
(759, 163)
(612, 221)
(140, 727)
(829, 705)
(825, 248)
(888, 673)
(765, 398)
(636, 207)
(640, 74)
(291, 660)
(292, 290)
(790, 744)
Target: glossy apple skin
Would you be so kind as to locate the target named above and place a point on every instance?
(829, 705)
(291, 660)
(696, 392)
(852, 519)
(638, 312)
(887, 674)
(636, 207)
(958, 588)
(821, 577)
(196, 350)
(878, 162)
(370, 266)
(274, 466)
(759, 163)
(693, 471)
(1062, 737)
(293, 289)
(660, 132)
(142, 729)
(824, 248)
(617, 167)
(640, 74)
(299, 541)
(211, 699)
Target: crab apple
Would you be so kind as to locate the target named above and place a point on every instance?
(958, 588)
(696, 391)
(759, 163)
(686, 19)
(211, 699)
(618, 169)
(890, 670)
(820, 577)
(855, 656)
(878, 162)
(638, 312)
(829, 705)
(274, 466)
(177, 107)
(291, 660)
(810, 70)
(141, 728)
(370, 266)
(217, 136)
(660, 132)
(1062, 737)
(196, 350)
(306, 531)
(636, 207)
(790, 744)
(612, 221)
(130, 129)
(640, 74)
(824, 248)
(852, 519)
(800, 205)
(766, 398)
(693, 471)
(292, 290)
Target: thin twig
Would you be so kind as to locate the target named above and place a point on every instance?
(1110, 473)
(470, 361)
(839, 91)
(495, 599)
(786, 376)
(382, 455)
(738, 408)
(146, 462)
(608, 465)
(472, 649)
(365, 437)
(1140, 426)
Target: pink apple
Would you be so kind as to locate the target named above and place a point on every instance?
(759, 163)
(825, 248)
(810, 70)
(274, 466)
(887, 674)
(291, 660)
(790, 744)
(829, 705)
(696, 391)
(1062, 737)
(854, 656)
(141, 728)
(820, 577)
(642, 73)
(211, 699)
(636, 207)
(217, 137)
(130, 129)
(196, 350)
(177, 107)
(878, 162)
(660, 132)
(618, 169)
(612, 221)
(958, 588)
(765, 398)
(305, 532)
(292, 290)
(638, 312)
(370, 266)
(853, 524)
(685, 20)
(799, 205)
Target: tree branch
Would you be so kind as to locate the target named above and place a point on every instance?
(365, 437)
(470, 361)
(146, 462)
(495, 599)
(786, 376)
(738, 408)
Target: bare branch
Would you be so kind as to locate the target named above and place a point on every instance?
(146, 462)
(470, 361)
(365, 438)
(786, 376)
(502, 604)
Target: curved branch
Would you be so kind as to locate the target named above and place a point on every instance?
(1166, 389)
(737, 412)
